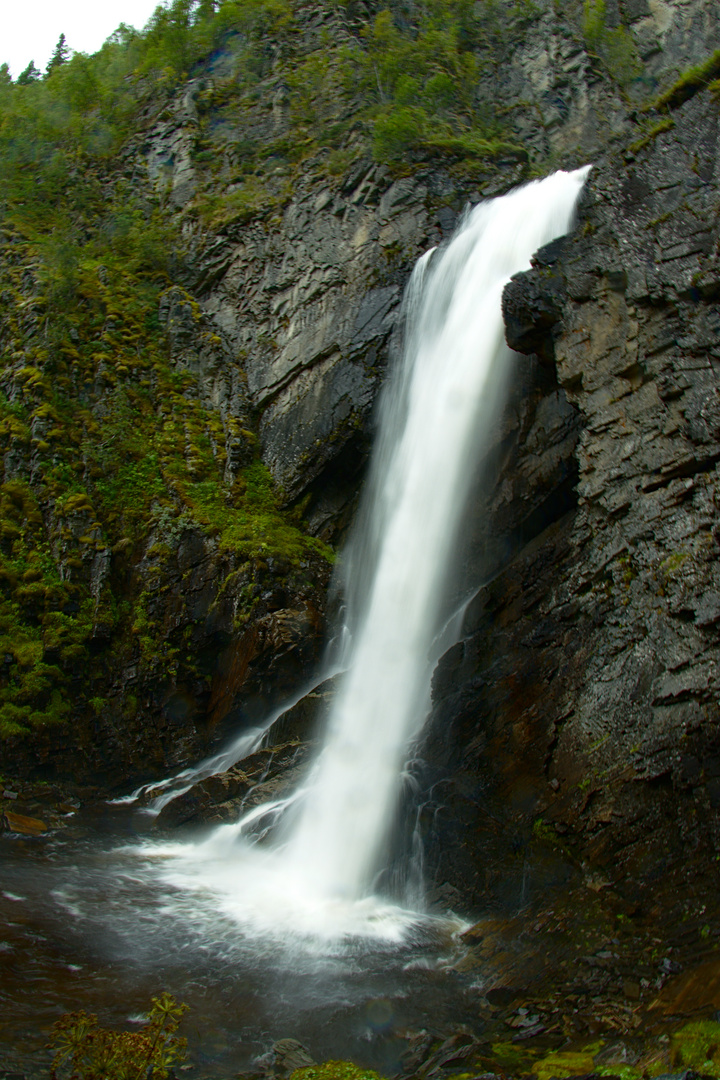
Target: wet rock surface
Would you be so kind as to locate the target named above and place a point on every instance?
(576, 724)
(156, 715)
(224, 797)
(271, 771)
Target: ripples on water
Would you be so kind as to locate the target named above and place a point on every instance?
(104, 922)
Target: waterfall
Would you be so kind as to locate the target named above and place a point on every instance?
(316, 875)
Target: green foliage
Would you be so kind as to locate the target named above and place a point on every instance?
(397, 131)
(85, 1051)
(696, 1046)
(60, 56)
(253, 18)
(29, 75)
(179, 35)
(694, 79)
(412, 86)
(614, 46)
(423, 83)
(127, 492)
(36, 636)
(335, 1070)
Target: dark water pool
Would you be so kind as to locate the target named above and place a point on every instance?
(87, 923)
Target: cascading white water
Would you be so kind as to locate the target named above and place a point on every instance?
(440, 406)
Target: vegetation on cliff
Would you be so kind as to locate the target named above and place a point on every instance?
(109, 452)
(107, 445)
(112, 448)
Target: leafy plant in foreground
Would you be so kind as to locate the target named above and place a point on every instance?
(86, 1051)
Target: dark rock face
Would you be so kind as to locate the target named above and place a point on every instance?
(579, 716)
(274, 768)
(309, 304)
(532, 304)
(312, 308)
(159, 715)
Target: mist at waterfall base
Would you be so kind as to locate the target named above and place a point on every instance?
(314, 874)
(283, 923)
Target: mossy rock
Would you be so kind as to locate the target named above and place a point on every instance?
(561, 1063)
(335, 1070)
(696, 1046)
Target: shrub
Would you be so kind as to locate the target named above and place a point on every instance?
(86, 1051)
(397, 131)
(614, 46)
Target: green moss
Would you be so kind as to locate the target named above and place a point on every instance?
(689, 83)
(335, 1070)
(253, 198)
(697, 1046)
(625, 1072)
(511, 1056)
(248, 518)
(670, 566)
(649, 136)
(543, 832)
(563, 1063)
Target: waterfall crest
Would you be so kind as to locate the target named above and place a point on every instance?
(317, 874)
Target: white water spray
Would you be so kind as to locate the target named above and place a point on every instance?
(317, 879)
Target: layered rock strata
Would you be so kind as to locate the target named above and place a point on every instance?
(583, 698)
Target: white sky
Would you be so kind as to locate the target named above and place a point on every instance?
(29, 29)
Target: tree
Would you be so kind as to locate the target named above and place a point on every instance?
(29, 75)
(60, 56)
(206, 9)
(5, 76)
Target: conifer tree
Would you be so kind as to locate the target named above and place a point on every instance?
(60, 56)
(29, 75)
(205, 10)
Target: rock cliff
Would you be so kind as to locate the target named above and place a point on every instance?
(582, 699)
